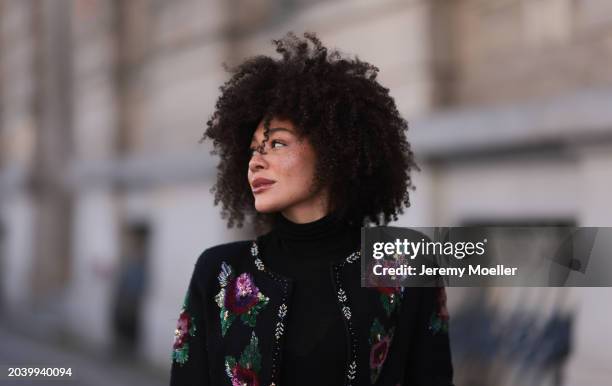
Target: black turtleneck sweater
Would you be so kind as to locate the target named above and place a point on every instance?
(314, 350)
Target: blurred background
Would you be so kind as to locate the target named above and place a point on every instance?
(104, 189)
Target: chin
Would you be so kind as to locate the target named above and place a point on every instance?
(264, 206)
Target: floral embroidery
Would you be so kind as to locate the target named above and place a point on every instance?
(390, 263)
(380, 341)
(439, 318)
(389, 297)
(245, 371)
(185, 328)
(238, 296)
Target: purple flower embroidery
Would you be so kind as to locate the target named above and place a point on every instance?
(242, 294)
(238, 296)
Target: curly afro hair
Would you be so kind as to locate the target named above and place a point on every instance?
(353, 124)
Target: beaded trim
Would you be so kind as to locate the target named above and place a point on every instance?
(282, 311)
(280, 326)
(351, 371)
(341, 295)
(353, 257)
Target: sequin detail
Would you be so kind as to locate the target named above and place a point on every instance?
(185, 328)
(238, 296)
(245, 370)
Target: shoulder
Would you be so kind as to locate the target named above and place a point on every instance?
(236, 253)
(227, 251)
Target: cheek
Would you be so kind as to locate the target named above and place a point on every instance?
(295, 173)
(298, 168)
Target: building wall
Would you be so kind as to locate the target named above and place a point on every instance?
(509, 50)
(17, 139)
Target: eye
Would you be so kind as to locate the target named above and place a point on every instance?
(276, 142)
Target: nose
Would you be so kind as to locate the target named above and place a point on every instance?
(257, 162)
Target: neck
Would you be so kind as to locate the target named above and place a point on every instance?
(302, 217)
(307, 211)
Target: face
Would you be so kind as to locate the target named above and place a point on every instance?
(282, 175)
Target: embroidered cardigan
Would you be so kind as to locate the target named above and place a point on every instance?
(231, 325)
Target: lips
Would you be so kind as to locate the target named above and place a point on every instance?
(260, 184)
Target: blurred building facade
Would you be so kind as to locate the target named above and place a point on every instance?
(102, 104)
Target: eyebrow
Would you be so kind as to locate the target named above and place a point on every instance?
(274, 130)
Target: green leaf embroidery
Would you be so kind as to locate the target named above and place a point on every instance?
(181, 355)
(250, 318)
(437, 324)
(227, 319)
(389, 302)
(251, 358)
(246, 369)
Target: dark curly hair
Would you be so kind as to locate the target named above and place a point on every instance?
(336, 102)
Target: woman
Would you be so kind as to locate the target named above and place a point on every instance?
(312, 147)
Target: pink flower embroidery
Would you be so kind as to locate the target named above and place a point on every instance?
(442, 310)
(379, 351)
(388, 290)
(380, 341)
(182, 330)
(185, 328)
(244, 377)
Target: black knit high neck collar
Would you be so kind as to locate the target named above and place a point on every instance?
(325, 240)
(327, 227)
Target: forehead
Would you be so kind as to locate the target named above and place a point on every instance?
(276, 125)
